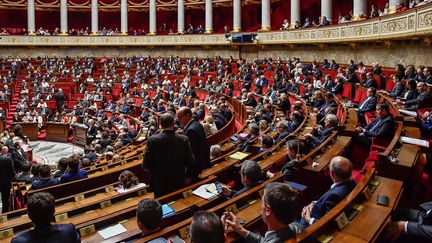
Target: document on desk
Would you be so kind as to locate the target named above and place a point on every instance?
(408, 113)
(202, 192)
(112, 231)
(415, 141)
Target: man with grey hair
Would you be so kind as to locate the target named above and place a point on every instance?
(320, 133)
(343, 184)
(278, 211)
(250, 175)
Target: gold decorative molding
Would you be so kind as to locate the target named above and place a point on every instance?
(415, 23)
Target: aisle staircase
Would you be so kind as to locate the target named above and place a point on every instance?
(15, 99)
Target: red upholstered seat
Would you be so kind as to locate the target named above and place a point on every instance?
(347, 91)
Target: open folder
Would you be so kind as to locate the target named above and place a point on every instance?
(203, 192)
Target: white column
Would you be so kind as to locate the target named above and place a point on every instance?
(295, 12)
(208, 16)
(237, 16)
(327, 9)
(124, 17)
(94, 17)
(265, 15)
(152, 16)
(31, 30)
(63, 17)
(180, 16)
(360, 8)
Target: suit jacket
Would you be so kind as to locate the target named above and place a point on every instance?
(331, 198)
(92, 132)
(369, 104)
(423, 100)
(281, 235)
(322, 136)
(370, 83)
(397, 90)
(421, 229)
(385, 129)
(19, 159)
(7, 172)
(170, 160)
(198, 143)
(58, 233)
(321, 110)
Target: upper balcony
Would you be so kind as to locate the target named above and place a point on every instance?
(411, 24)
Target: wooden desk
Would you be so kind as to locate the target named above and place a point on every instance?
(29, 129)
(79, 135)
(56, 131)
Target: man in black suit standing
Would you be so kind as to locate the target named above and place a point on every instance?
(40, 209)
(169, 158)
(197, 138)
(91, 131)
(7, 174)
(60, 98)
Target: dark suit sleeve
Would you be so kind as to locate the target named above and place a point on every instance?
(191, 167)
(325, 204)
(416, 101)
(386, 128)
(147, 160)
(419, 231)
(371, 106)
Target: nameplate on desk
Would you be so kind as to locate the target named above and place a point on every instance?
(6, 233)
(232, 208)
(87, 230)
(3, 219)
(367, 193)
(104, 168)
(142, 192)
(184, 232)
(93, 167)
(123, 162)
(342, 220)
(324, 238)
(105, 204)
(61, 217)
(187, 194)
(109, 189)
(79, 198)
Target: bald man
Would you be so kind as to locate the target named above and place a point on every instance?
(343, 184)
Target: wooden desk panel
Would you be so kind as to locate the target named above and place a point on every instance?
(29, 129)
(56, 131)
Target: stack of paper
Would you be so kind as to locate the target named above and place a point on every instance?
(112, 231)
(415, 141)
(202, 192)
(238, 155)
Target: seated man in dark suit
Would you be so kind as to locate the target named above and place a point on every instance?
(206, 227)
(423, 100)
(279, 209)
(329, 103)
(250, 175)
(383, 126)
(44, 179)
(40, 209)
(409, 225)
(321, 133)
(369, 104)
(149, 216)
(340, 172)
(370, 81)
